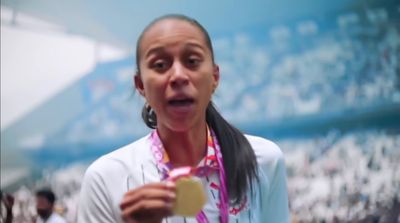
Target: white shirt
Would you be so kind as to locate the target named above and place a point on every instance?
(54, 218)
(112, 175)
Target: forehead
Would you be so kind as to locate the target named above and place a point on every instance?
(172, 31)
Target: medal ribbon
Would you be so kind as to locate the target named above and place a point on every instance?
(212, 162)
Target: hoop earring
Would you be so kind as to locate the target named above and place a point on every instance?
(149, 116)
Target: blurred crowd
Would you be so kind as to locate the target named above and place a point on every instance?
(311, 67)
(350, 178)
(64, 183)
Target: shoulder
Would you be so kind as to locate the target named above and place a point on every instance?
(268, 196)
(107, 179)
(122, 158)
(56, 218)
(265, 150)
(270, 159)
(272, 179)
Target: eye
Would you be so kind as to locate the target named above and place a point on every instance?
(159, 65)
(193, 61)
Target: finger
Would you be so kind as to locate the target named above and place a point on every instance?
(147, 194)
(150, 216)
(146, 209)
(152, 190)
(168, 185)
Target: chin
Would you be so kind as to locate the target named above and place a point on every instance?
(181, 125)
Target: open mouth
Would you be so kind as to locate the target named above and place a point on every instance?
(181, 102)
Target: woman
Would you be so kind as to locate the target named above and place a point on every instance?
(243, 176)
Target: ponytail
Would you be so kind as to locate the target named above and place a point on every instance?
(239, 159)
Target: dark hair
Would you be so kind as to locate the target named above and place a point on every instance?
(240, 162)
(46, 193)
(178, 17)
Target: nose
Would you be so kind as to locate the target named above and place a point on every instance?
(179, 75)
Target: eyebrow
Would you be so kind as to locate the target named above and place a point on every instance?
(162, 48)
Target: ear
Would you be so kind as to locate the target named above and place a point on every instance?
(215, 77)
(139, 84)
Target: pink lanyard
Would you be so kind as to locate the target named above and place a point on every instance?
(164, 165)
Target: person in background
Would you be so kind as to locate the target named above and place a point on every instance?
(45, 199)
(8, 201)
(243, 176)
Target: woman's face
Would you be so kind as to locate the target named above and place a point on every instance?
(177, 74)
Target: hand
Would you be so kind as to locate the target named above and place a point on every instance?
(149, 203)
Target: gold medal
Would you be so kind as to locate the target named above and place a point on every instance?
(190, 197)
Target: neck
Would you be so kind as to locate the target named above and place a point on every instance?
(185, 148)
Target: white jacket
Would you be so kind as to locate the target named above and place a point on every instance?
(112, 175)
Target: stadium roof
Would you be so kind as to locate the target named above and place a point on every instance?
(120, 22)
